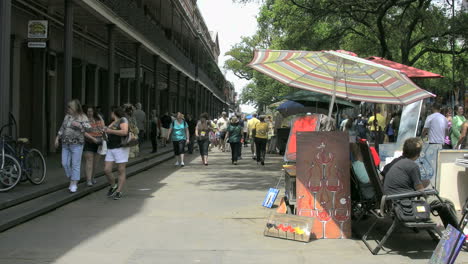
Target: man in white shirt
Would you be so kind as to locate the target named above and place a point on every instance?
(436, 126)
(222, 124)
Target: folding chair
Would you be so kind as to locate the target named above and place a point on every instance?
(386, 207)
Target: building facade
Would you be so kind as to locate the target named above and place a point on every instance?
(105, 53)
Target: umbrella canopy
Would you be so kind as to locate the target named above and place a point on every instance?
(338, 74)
(292, 108)
(411, 72)
(289, 105)
(310, 98)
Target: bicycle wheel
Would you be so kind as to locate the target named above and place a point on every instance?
(10, 172)
(34, 166)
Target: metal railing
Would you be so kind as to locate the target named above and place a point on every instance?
(135, 17)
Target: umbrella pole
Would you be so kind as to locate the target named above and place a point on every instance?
(330, 110)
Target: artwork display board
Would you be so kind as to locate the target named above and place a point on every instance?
(300, 124)
(452, 179)
(409, 122)
(449, 246)
(323, 182)
(427, 161)
(289, 226)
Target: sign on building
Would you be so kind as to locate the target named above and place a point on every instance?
(38, 29)
(37, 33)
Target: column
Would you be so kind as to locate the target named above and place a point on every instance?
(169, 105)
(178, 93)
(186, 109)
(68, 52)
(138, 73)
(118, 92)
(39, 137)
(110, 67)
(97, 78)
(196, 100)
(15, 70)
(155, 83)
(83, 82)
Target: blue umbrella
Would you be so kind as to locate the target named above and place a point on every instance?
(249, 117)
(289, 105)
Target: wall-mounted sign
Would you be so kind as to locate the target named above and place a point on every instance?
(38, 29)
(37, 45)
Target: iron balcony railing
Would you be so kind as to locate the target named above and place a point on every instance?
(135, 17)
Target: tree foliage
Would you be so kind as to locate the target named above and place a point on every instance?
(413, 32)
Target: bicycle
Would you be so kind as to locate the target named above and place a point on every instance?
(20, 163)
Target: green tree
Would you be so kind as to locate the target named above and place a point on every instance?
(413, 32)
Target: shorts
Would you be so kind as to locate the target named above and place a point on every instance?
(179, 147)
(164, 132)
(117, 155)
(90, 147)
(222, 134)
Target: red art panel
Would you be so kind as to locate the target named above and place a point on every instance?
(323, 182)
(300, 124)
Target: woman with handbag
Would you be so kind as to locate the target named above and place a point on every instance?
(93, 139)
(117, 132)
(71, 135)
(202, 132)
(179, 133)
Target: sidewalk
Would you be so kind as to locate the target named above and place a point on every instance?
(195, 214)
(56, 179)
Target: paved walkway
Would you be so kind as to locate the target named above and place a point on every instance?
(195, 214)
(55, 177)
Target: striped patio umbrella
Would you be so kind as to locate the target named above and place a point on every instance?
(338, 73)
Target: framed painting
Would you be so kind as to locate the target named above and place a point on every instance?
(449, 246)
(323, 182)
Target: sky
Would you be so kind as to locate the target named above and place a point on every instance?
(231, 21)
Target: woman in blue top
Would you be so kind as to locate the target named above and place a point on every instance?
(179, 133)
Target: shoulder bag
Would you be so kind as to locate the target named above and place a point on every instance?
(412, 210)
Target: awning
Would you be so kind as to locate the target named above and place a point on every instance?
(411, 72)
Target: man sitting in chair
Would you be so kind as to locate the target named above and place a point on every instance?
(404, 176)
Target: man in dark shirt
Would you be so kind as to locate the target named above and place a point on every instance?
(404, 176)
(191, 126)
(166, 122)
(361, 127)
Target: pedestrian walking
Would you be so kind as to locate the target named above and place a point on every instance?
(377, 124)
(93, 139)
(71, 136)
(202, 132)
(155, 130)
(436, 126)
(132, 127)
(223, 123)
(260, 134)
(361, 127)
(140, 118)
(251, 126)
(234, 137)
(390, 130)
(242, 125)
(116, 154)
(245, 130)
(192, 124)
(457, 122)
(179, 134)
(166, 121)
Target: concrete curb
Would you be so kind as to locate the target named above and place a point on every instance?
(28, 210)
(54, 188)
